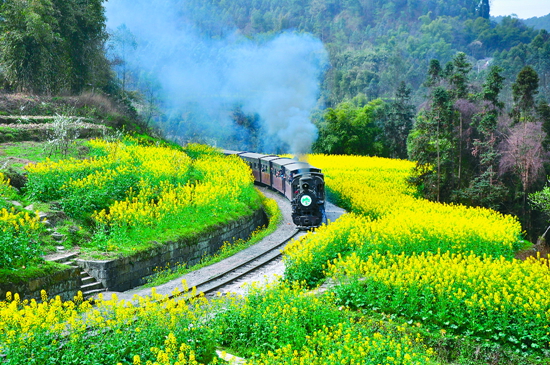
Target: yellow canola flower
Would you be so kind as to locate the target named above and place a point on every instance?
(21, 322)
(350, 344)
(396, 220)
(147, 186)
(458, 288)
(223, 180)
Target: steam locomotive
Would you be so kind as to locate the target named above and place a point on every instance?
(302, 184)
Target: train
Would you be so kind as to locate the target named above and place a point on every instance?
(302, 184)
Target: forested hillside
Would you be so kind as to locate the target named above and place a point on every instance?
(375, 44)
(541, 22)
(55, 47)
(438, 82)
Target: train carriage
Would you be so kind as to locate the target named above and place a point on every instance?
(267, 169)
(253, 160)
(302, 184)
(279, 173)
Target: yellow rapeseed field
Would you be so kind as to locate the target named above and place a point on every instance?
(446, 265)
(388, 217)
(129, 190)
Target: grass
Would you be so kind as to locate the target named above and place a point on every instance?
(21, 276)
(17, 154)
(148, 237)
(168, 273)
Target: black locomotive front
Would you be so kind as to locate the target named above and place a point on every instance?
(308, 204)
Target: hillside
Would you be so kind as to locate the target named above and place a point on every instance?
(373, 45)
(36, 129)
(541, 22)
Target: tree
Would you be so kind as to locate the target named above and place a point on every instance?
(435, 73)
(430, 143)
(523, 155)
(50, 46)
(458, 78)
(121, 45)
(483, 9)
(351, 129)
(32, 51)
(485, 189)
(541, 201)
(441, 128)
(543, 115)
(82, 28)
(398, 121)
(524, 90)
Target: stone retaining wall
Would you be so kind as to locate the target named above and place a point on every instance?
(65, 283)
(128, 272)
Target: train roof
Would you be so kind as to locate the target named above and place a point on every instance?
(231, 152)
(252, 155)
(283, 161)
(269, 158)
(298, 166)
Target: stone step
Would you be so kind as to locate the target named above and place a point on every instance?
(87, 279)
(91, 286)
(61, 258)
(91, 293)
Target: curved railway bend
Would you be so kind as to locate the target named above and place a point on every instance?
(260, 262)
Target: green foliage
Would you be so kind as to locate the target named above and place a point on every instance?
(485, 188)
(132, 196)
(351, 129)
(524, 90)
(535, 53)
(541, 22)
(332, 242)
(433, 142)
(458, 302)
(32, 50)
(396, 121)
(373, 45)
(20, 238)
(541, 199)
(80, 202)
(457, 134)
(49, 46)
(111, 333)
(272, 317)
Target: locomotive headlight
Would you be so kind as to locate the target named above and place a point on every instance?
(305, 186)
(306, 200)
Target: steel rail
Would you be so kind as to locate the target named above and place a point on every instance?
(240, 270)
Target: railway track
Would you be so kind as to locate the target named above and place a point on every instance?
(213, 284)
(250, 265)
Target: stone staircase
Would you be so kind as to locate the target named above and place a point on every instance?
(90, 286)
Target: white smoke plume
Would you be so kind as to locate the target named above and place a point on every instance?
(202, 79)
